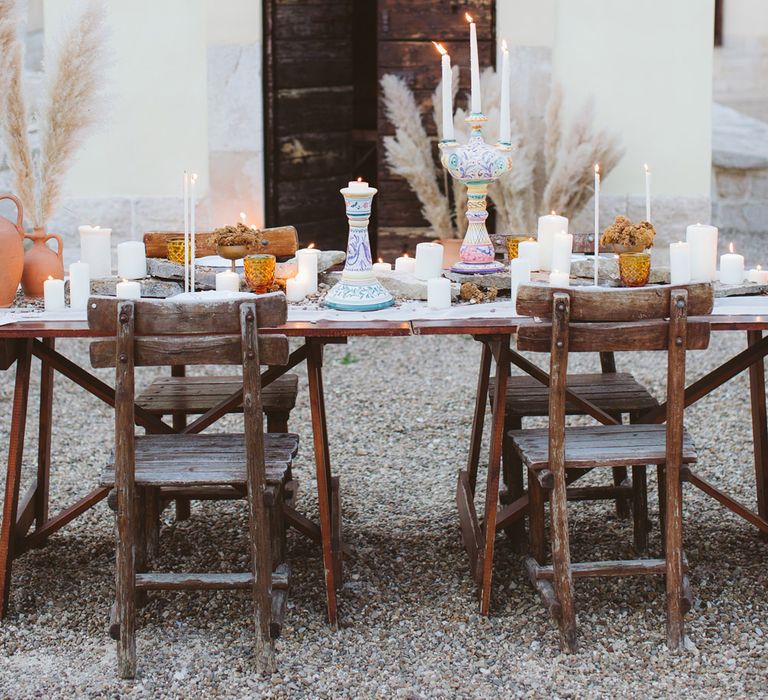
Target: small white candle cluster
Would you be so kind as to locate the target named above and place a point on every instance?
(427, 266)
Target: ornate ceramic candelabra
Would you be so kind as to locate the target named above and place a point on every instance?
(358, 289)
(476, 164)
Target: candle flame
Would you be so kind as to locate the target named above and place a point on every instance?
(554, 213)
(759, 268)
(311, 245)
(405, 255)
(360, 179)
(468, 17)
(193, 179)
(380, 260)
(730, 247)
(597, 168)
(504, 45)
(50, 277)
(647, 169)
(243, 217)
(531, 238)
(440, 48)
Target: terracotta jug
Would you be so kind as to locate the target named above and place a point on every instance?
(12, 247)
(41, 262)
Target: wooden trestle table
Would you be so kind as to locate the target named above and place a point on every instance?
(20, 342)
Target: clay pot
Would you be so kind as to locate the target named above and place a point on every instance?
(451, 251)
(41, 262)
(11, 243)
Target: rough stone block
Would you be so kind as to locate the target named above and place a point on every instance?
(735, 185)
(396, 283)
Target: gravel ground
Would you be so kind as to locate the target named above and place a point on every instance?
(398, 412)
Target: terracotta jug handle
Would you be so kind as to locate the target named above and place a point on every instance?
(19, 210)
(60, 251)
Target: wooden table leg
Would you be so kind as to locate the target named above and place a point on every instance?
(44, 439)
(478, 419)
(323, 472)
(501, 347)
(759, 428)
(15, 456)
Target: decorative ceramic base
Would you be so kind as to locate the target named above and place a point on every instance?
(483, 268)
(364, 295)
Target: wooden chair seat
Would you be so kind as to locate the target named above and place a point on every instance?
(616, 392)
(193, 395)
(204, 460)
(590, 446)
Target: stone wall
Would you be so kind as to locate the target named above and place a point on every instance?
(740, 67)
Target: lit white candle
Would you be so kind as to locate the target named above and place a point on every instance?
(562, 250)
(307, 262)
(474, 66)
(702, 242)
(295, 289)
(438, 293)
(131, 260)
(429, 261)
(679, 263)
(529, 250)
(731, 267)
(559, 279)
(227, 281)
(186, 230)
(405, 264)
(382, 266)
(447, 93)
(53, 294)
(358, 186)
(96, 250)
(79, 285)
(505, 125)
(192, 232)
(128, 289)
(757, 274)
(647, 192)
(597, 219)
(549, 225)
(520, 273)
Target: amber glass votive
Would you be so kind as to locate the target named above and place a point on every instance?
(176, 249)
(634, 269)
(512, 245)
(259, 271)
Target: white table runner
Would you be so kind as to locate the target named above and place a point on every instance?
(741, 306)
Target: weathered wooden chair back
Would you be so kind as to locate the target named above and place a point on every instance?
(281, 241)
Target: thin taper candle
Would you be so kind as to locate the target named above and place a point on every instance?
(505, 128)
(474, 66)
(647, 192)
(193, 231)
(447, 96)
(597, 218)
(186, 230)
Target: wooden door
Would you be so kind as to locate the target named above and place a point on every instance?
(309, 100)
(406, 29)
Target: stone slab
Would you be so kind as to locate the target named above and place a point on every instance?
(150, 287)
(396, 283)
(738, 141)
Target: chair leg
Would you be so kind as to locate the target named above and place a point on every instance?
(512, 470)
(673, 536)
(561, 562)
(640, 507)
(662, 485)
(622, 504)
(536, 498)
(126, 585)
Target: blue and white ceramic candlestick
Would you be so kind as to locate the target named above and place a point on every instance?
(476, 164)
(358, 289)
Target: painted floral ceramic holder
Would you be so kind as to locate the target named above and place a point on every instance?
(358, 289)
(476, 164)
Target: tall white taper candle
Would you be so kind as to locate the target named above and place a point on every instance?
(647, 192)
(192, 231)
(505, 127)
(474, 66)
(186, 231)
(447, 96)
(597, 218)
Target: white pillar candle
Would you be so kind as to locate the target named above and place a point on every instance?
(295, 289)
(358, 185)
(429, 261)
(79, 285)
(549, 225)
(307, 262)
(529, 250)
(505, 125)
(96, 250)
(227, 281)
(405, 264)
(520, 273)
(131, 260)
(128, 289)
(679, 263)
(757, 274)
(559, 279)
(731, 267)
(447, 92)
(702, 243)
(647, 192)
(382, 266)
(597, 221)
(438, 293)
(562, 249)
(474, 66)
(53, 294)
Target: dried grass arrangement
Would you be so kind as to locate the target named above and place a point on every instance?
(622, 233)
(69, 111)
(553, 162)
(237, 234)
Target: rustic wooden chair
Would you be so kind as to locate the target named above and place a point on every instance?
(180, 396)
(161, 333)
(589, 320)
(618, 394)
